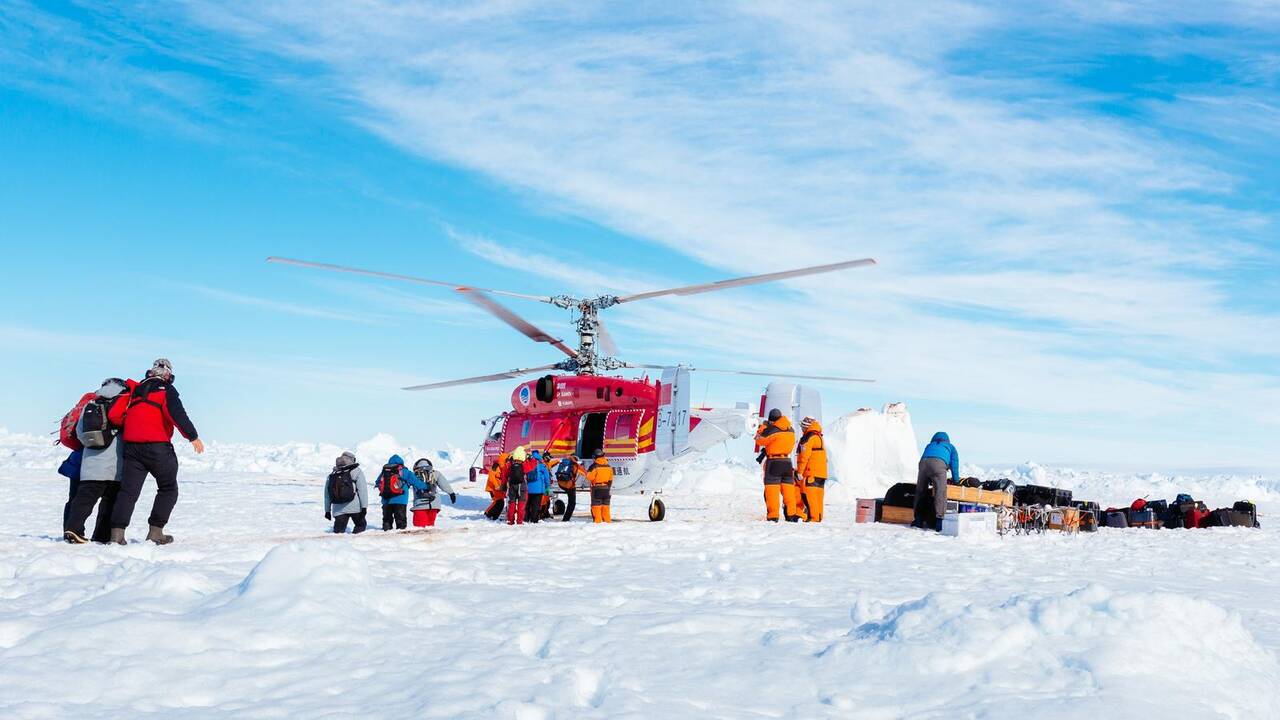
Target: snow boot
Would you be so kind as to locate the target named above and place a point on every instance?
(157, 536)
(73, 538)
(117, 536)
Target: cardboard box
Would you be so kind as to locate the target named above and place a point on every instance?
(969, 524)
(866, 510)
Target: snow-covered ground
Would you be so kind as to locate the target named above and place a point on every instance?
(255, 612)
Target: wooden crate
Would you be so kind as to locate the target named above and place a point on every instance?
(1065, 519)
(866, 510)
(960, 493)
(897, 515)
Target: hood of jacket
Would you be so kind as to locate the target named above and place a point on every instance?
(941, 437)
(814, 427)
(783, 423)
(395, 460)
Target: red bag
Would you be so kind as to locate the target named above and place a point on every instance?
(1138, 504)
(1196, 518)
(67, 430)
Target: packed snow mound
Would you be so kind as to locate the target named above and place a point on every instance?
(869, 451)
(1092, 648)
(706, 476)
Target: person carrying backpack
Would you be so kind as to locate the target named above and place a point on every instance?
(601, 478)
(149, 418)
(496, 486)
(567, 473)
(346, 495)
(427, 484)
(393, 487)
(517, 488)
(538, 477)
(101, 462)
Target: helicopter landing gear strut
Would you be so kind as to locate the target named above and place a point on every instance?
(657, 510)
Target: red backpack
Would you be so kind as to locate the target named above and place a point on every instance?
(390, 484)
(67, 430)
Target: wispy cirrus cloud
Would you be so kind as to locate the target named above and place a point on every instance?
(1047, 245)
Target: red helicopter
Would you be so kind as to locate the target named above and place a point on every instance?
(642, 425)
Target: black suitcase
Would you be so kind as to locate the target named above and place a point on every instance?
(1159, 507)
(1249, 508)
(1117, 519)
(1034, 495)
(1061, 498)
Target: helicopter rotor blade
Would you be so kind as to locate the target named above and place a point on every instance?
(750, 280)
(606, 338)
(482, 378)
(402, 278)
(757, 374)
(482, 300)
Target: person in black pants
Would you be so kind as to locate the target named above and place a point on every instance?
(149, 418)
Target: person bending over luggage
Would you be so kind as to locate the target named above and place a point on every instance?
(428, 484)
(393, 487)
(496, 486)
(153, 411)
(517, 488)
(346, 495)
(600, 476)
(931, 481)
(101, 462)
(567, 473)
(538, 478)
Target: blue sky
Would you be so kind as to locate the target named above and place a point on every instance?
(1074, 208)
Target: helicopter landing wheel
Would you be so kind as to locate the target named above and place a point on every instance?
(657, 510)
(557, 508)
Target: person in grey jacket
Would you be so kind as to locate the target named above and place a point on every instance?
(100, 469)
(347, 479)
(428, 484)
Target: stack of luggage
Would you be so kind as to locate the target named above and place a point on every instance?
(1183, 512)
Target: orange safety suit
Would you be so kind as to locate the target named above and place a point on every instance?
(811, 467)
(496, 486)
(601, 478)
(777, 439)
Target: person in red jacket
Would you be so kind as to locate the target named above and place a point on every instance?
(149, 418)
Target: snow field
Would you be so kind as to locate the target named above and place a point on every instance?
(255, 613)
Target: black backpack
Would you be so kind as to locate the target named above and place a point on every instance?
(95, 429)
(342, 487)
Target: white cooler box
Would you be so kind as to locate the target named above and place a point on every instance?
(971, 523)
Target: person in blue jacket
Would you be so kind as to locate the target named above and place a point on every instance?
(393, 487)
(938, 457)
(538, 477)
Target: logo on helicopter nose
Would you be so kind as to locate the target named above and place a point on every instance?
(524, 395)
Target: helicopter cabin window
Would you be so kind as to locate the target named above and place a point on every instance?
(600, 393)
(591, 435)
(524, 428)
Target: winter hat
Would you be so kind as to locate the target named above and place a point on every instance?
(518, 454)
(161, 368)
(537, 454)
(346, 459)
(807, 422)
(422, 464)
(775, 415)
(599, 454)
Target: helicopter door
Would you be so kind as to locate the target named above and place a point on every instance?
(672, 437)
(620, 433)
(591, 435)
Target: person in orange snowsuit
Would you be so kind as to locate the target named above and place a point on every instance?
(776, 439)
(811, 466)
(496, 486)
(600, 476)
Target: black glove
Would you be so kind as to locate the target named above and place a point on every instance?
(453, 498)
(328, 516)
(760, 458)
